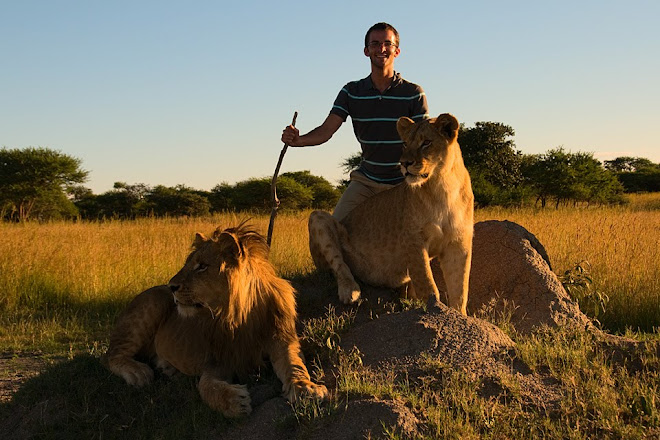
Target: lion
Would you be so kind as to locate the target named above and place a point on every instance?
(218, 317)
(390, 238)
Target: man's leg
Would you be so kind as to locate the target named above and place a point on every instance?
(359, 189)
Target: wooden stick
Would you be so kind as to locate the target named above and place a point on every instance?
(273, 188)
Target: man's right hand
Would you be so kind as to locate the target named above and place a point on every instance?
(291, 136)
(319, 135)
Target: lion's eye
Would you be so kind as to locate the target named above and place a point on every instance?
(425, 145)
(200, 267)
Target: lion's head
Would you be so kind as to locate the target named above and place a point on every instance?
(227, 274)
(426, 145)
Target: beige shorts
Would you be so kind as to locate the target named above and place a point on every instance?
(359, 189)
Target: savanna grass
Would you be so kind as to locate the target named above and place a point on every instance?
(621, 245)
(64, 283)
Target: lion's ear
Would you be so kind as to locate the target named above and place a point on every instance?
(403, 126)
(199, 240)
(447, 125)
(232, 251)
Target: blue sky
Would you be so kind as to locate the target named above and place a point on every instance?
(198, 92)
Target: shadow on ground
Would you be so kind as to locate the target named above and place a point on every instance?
(79, 398)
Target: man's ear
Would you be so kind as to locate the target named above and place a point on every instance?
(366, 51)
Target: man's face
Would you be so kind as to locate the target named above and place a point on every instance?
(382, 48)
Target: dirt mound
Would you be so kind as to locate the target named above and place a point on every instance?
(359, 418)
(366, 418)
(413, 343)
(511, 274)
(399, 339)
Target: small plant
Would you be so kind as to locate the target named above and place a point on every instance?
(499, 311)
(305, 411)
(325, 332)
(578, 282)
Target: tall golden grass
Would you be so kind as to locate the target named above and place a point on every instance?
(621, 244)
(52, 268)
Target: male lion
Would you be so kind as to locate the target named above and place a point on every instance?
(390, 238)
(229, 311)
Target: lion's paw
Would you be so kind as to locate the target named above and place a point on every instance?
(238, 403)
(137, 374)
(164, 366)
(306, 389)
(349, 293)
(232, 400)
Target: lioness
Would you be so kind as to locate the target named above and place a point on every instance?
(390, 238)
(219, 316)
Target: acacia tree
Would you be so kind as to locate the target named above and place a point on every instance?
(563, 176)
(493, 162)
(637, 174)
(349, 164)
(36, 180)
(628, 164)
(489, 150)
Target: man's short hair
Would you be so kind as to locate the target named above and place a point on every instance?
(382, 27)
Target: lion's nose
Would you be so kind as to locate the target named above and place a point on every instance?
(406, 163)
(174, 287)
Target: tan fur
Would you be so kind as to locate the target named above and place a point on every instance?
(390, 239)
(230, 310)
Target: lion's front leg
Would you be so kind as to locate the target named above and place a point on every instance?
(290, 369)
(421, 277)
(134, 333)
(325, 247)
(232, 400)
(455, 264)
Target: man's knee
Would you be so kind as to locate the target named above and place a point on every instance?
(355, 194)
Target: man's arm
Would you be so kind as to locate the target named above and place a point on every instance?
(318, 136)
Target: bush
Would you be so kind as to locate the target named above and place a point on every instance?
(255, 194)
(177, 201)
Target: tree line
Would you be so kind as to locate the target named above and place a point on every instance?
(43, 184)
(502, 175)
(296, 191)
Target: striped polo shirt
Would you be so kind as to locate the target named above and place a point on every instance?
(374, 115)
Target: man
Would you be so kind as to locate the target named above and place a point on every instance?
(374, 103)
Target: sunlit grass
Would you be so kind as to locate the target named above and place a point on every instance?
(621, 244)
(63, 282)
